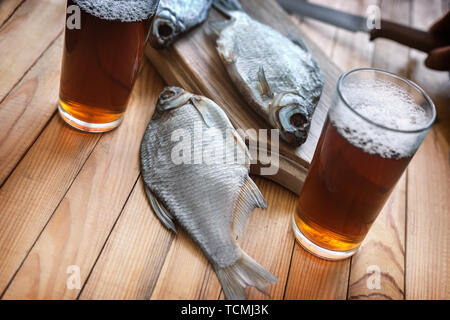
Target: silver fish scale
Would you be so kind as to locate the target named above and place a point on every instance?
(287, 66)
(209, 191)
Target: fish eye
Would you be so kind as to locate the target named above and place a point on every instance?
(298, 120)
(165, 30)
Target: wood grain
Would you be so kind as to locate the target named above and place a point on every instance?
(384, 246)
(28, 107)
(131, 261)
(382, 254)
(428, 220)
(35, 188)
(186, 274)
(35, 25)
(314, 278)
(83, 220)
(428, 241)
(7, 8)
(194, 64)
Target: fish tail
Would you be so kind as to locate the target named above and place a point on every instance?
(244, 273)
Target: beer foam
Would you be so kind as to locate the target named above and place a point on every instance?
(122, 10)
(385, 104)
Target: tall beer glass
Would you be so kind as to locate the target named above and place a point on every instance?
(103, 50)
(375, 125)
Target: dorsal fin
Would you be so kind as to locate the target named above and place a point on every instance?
(264, 84)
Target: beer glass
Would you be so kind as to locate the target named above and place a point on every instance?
(101, 59)
(374, 126)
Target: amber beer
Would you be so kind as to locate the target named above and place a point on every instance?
(373, 129)
(101, 61)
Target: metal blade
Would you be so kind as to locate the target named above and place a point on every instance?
(337, 18)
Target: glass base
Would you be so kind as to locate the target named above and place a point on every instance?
(318, 251)
(88, 127)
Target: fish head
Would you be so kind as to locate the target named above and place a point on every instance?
(291, 114)
(171, 98)
(165, 28)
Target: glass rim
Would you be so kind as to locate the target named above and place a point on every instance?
(408, 82)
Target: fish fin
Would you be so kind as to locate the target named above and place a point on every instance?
(249, 199)
(243, 273)
(200, 109)
(226, 6)
(228, 56)
(264, 84)
(219, 26)
(161, 212)
(298, 41)
(241, 144)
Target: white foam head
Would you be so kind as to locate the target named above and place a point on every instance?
(385, 104)
(122, 10)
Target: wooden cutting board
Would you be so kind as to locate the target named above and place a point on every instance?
(193, 63)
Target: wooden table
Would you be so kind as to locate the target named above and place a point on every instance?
(73, 201)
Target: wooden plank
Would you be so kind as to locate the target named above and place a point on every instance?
(129, 266)
(186, 273)
(35, 188)
(27, 109)
(82, 222)
(194, 64)
(384, 247)
(7, 8)
(382, 253)
(310, 277)
(428, 220)
(33, 26)
(314, 278)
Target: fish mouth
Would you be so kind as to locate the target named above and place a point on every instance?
(165, 28)
(292, 117)
(172, 97)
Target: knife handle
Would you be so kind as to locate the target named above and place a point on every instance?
(413, 38)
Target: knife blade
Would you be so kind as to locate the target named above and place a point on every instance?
(411, 37)
(337, 18)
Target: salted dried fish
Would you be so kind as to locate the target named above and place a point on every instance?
(175, 17)
(277, 76)
(210, 201)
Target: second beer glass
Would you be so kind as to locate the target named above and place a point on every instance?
(375, 125)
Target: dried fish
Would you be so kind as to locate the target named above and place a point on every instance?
(175, 17)
(277, 76)
(210, 201)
